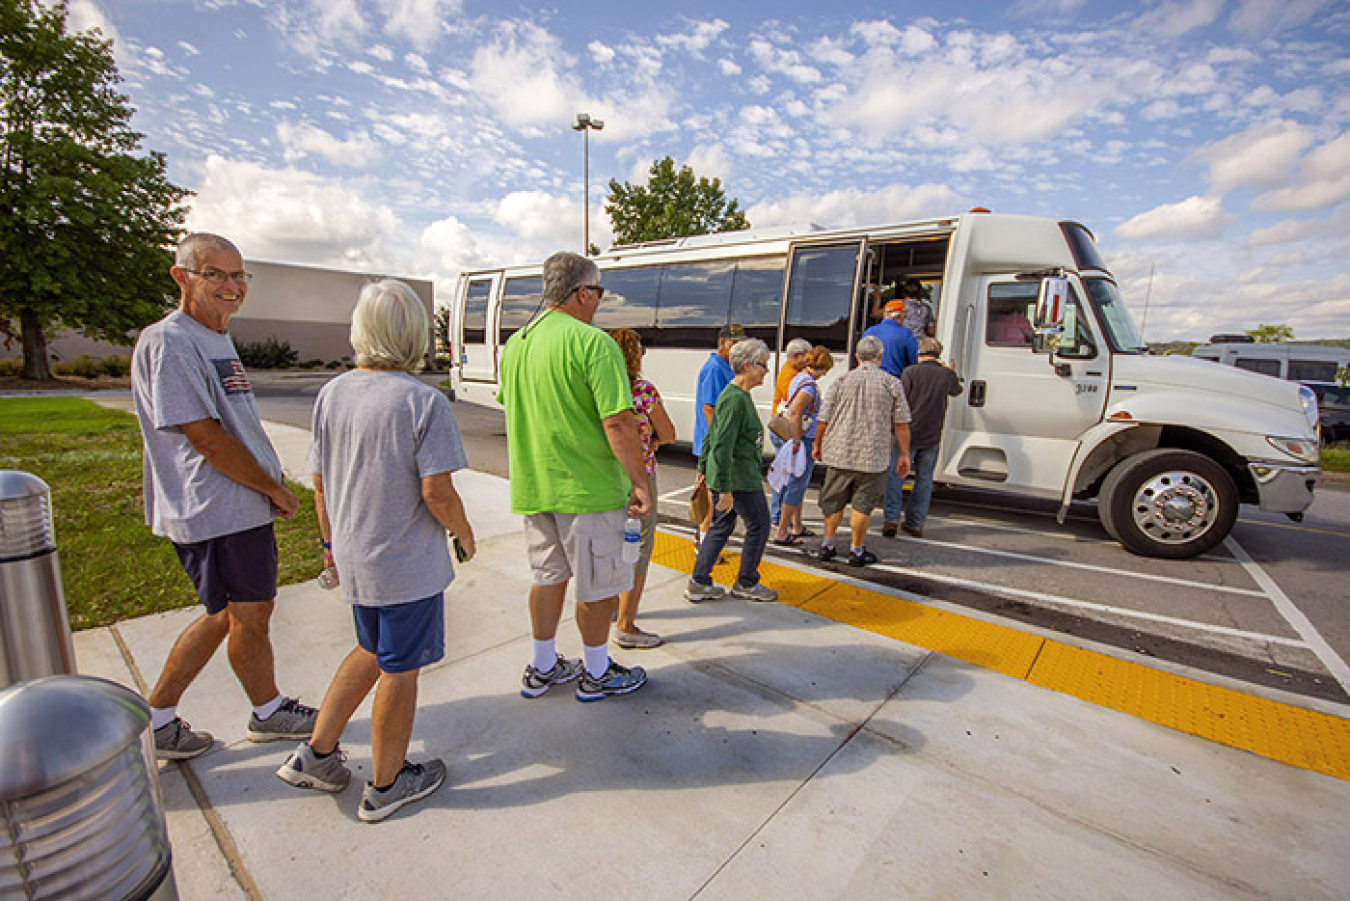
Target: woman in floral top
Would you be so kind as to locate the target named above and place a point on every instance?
(655, 429)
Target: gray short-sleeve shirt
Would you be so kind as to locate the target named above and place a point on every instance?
(376, 435)
(181, 372)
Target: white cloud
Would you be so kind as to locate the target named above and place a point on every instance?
(854, 206)
(784, 62)
(1189, 219)
(711, 161)
(1262, 18)
(293, 216)
(300, 140)
(1323, 180)
(419, 22)
(381, 52)
(729, 67)
(522, 75)
(1172, 20)
(601, 53)
(1263, 154)
(697, 39)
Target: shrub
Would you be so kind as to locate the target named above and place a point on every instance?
(11, 368)
(266, 354)
(84, 366)
(333, 364)
(116, 366)
(311, 364)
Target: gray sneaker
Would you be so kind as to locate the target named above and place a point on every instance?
(415, 781)
(305, 769)
(177, 741)
(534, 683)
(757, 592)
(292, 721)
(696, 593)
(617, 680)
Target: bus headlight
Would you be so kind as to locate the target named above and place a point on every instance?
(1309, 401)
(1299, 448)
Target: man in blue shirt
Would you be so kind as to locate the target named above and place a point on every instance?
(715, 375)
(899, 349)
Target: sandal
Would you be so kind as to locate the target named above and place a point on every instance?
(789, 541)
(804, 533)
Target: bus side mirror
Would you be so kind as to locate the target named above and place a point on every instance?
(1051, 303)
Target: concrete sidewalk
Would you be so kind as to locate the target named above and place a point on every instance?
(775, 754)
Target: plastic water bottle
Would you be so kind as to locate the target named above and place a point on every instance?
(329, 577)
(632, 538)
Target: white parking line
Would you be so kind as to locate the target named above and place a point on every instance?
(1294, 616)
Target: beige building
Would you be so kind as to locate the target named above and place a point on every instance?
(309, 307)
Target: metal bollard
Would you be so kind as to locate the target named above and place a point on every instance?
(80, 810)
(34, 629)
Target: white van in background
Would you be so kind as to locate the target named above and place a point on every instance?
(1292, 362)
(1062, 400)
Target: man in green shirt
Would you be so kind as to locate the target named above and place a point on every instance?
(576, 473)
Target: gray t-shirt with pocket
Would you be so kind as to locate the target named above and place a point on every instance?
(181, 372)
(375, 436)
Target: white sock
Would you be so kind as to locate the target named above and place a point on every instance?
(263, 711)
(858, 549)
(597, 660)
(827, 542)
(545, 654)
(162, 716)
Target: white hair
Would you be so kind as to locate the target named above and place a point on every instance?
(743, 353)
(869, 348)
(797, 346)
(188, 254)
(390, 327)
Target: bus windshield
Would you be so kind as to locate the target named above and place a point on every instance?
(1121, 332)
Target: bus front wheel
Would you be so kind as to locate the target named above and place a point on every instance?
(1168, 503)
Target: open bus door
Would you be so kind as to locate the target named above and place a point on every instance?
(820, 295)
(478, 330)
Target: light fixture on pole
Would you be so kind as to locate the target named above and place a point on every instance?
(585, 124)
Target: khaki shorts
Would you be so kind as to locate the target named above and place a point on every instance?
(587, 547)
(863, 491)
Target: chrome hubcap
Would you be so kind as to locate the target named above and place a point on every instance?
(1174, 507)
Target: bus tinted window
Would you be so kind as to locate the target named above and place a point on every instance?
(820, 295)
(475, 311)
(1265, 367)
(1312, 370)
(756, 295)
(1081, 245)
(695, 302)
(521, 299)
(630, 300)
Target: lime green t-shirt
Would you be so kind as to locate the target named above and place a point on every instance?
(559, 378)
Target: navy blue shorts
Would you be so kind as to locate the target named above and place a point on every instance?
(238, 568)
(403, 637)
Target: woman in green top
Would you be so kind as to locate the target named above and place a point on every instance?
(730, 464)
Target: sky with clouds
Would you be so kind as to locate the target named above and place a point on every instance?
(1205, 142)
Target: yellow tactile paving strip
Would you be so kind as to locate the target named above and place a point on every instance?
(1302, 738)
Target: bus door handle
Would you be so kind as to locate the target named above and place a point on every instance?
(976, 398)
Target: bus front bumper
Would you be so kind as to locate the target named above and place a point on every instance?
(1284, 488)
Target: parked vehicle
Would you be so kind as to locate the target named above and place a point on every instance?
(1295, 362)
(1062, 399)
(1333, 404)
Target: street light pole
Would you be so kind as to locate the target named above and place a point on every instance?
(584, 123)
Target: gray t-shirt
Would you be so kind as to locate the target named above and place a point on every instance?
(376, 435)
(182, 371)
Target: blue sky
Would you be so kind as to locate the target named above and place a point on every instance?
(1206, 143)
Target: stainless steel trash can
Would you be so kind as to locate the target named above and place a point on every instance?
(80, 811)
(34, 629)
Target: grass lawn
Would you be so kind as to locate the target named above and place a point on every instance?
(112, 567)
(1336, 459)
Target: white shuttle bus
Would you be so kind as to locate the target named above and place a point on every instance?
(1061, 399)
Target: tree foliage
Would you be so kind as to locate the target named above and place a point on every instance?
(1271, 334)
(85, 217)
(673, 204)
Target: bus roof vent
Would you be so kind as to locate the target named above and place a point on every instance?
(1231, 339)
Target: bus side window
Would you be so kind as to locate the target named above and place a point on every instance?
(475, 311)
(1009, 322)
(695, 302)
(1265, 367)
(630, 300)
(520, 302)
(756, 295)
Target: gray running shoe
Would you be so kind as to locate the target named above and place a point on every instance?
(534, 683)
(757, 592)
(177, 741)
(617, 680)
(637, 639)
(415, 781)
(696, 593)
(305, 769)
(292, 720)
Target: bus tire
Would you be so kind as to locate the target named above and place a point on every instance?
(1168, 503)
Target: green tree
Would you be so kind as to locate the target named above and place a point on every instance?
(673, 204)
(85, 217)
(1271, 334)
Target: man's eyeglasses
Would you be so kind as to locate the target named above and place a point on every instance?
(598, 289)
(216, 277)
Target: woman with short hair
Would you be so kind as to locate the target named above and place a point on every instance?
(802, 406)
(383, 448)
(730, 464)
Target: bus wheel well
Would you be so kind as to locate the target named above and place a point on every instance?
(1193, 440)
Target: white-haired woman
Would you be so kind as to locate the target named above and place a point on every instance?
(384, 447)
(730, 464)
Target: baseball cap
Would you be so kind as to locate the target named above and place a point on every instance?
(732, 332)
(895, 306)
